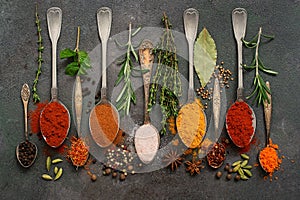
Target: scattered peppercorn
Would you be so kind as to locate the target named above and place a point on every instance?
(229, 176)
(107, 171)
(114, 174)
(227, 167)
(219, 174)
(122, 177)
(93, 177)
(237, 177)
(230, 170)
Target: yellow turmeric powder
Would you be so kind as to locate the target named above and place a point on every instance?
(191, 124)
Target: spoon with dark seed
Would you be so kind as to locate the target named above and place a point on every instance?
(26, 151)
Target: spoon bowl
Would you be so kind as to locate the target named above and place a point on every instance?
(26, 151)
(104, 19)
(54, 20)
(239, 21)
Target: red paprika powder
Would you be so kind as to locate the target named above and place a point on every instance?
(54, 124)
(239, 124)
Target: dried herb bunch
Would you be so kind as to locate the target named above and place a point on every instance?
(166, 82)
(35, 95)
(261, 90)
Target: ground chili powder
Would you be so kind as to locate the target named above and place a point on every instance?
(239, 124)
(54, 124)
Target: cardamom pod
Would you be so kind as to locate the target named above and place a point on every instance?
(48, 163)
(244, 156)
(244, 163)
(55, 170)
(236, 168)
(247, 167)
(59, 174)
(57, 160)
(247, 172)
(46, 177)
(243, 177)
(240, 171)
(236, 163)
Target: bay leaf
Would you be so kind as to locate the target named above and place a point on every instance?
(205, 56)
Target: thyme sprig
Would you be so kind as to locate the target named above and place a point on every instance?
(35, 95)
(81, 60)
(166, 82)
(260, 88)
(127, 94)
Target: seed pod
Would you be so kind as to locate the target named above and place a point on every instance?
(236, 168)
(247, 167)
(240, 171)
(245, 156)
(236, 163)
(247, 172)
(59, 173)
(55, 170)
(57, 160)
(46, 177)
(48, 163)
(244, 163)
(243, 177)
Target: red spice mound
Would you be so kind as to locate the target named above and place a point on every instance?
(54, 123)
(239, 124)
(34, 117)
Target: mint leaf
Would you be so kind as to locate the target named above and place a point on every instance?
(67, 53)
(72, 69)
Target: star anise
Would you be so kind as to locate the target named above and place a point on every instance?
(194, 166)
(174, 159)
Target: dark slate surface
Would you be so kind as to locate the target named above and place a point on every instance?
(18, 65)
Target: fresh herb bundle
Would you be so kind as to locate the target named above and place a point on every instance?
(166, 82)
(127, 94)
(35, 95)
(81, 60)
(261, 90)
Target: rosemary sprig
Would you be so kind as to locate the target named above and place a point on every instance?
(35, 95)
(260, 88)
(166, 76)
(127, 94)
(81, 60)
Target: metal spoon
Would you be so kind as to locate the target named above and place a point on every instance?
(104, 18)
(25, 94)
(268, 113)
(191, 18)
(78, 113)
(54, 19)
(239, 21)
(146, 137)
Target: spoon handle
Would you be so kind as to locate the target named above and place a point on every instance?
(78, 104)
(25, 94)
(268, 113)
(146, 59)
(216, 105)
(191, 18)
(54, 20)
(239, 21)
(104, 19)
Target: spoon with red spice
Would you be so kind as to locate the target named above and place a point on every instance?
(26, 151)
(240, 118)
(55, 117)
(104, 118)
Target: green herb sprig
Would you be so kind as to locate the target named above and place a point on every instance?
(127, 94)
(166, 82)
(35, 95)
(80, 59)
(261, 90)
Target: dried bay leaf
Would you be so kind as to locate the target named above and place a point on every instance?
(205, 56)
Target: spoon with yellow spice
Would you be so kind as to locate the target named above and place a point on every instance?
(191, 120)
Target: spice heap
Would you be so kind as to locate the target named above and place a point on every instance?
(191, 124)
(27, 152)
(54, 124)
(103, 124)
(269, 159)
(239, 124)
(78, 151)
(216, 155)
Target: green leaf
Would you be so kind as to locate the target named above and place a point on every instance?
(83, 56)
(72, 69)
(205, 56)
(67, 53)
